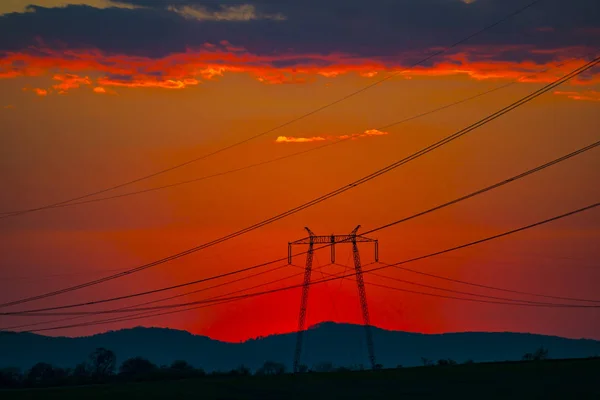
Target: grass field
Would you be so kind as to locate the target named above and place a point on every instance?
(552, 379)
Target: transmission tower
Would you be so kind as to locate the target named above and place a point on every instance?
(352, 238)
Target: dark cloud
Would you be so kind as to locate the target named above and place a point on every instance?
(382, 29)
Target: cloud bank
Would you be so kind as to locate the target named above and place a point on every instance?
(178, 44)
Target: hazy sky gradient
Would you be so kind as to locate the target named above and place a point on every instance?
(164, 102)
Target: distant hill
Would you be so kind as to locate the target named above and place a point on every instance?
(341, 344)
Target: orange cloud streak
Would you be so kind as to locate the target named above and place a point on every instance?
(289, 139)
(590, 95)
(369, 132)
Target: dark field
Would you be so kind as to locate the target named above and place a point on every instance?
(560, 379)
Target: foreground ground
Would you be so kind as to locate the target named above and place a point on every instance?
(561, 379)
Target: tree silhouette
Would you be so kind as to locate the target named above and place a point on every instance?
(81, 371)
(40, 373)
(540, 354)
(137, 366)
(103, 362)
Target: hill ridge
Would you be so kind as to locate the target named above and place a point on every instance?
(339, 343)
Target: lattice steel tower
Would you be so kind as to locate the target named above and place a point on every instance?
(332, 240)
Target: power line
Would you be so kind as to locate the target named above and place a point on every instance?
(157, 301)
(463, 292)
(491, 187)
(214, 301)
(164, 288)
(506, 303)
(498, 300)
(411, 260)
(408, 282)
(493, 287)
(334, 193)
(303, 116)
(180, 295)
(66, 274)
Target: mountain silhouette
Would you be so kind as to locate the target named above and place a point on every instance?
(341, 344)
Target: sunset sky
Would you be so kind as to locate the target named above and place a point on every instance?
(95, 93)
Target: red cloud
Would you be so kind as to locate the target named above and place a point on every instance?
(149, 82)
(183, 70)
(69, 81)
(40, 92)
(103, 90)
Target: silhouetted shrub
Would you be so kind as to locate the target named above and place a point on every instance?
(426, 362)
(469, 362)
(325, 366)
(181, 365)
(378, 367)
(302, 369)
(137, 367)
(538, 355)
(271, 368)
(10, 377)
(242, 370)
(359, 367)
(447, 362)
(181, 369)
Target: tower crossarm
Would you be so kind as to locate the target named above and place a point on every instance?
(322, 239)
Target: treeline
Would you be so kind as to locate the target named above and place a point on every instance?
(101, 367)
(539, 355)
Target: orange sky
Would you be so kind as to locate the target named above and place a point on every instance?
(68, 130)
(84, 141)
